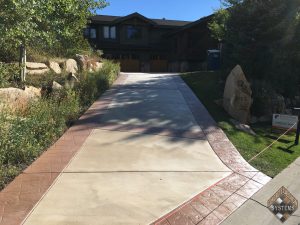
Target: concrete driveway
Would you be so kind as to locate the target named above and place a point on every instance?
(145, 156)
(134, 177)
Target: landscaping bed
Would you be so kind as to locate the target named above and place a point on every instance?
(209, 88)
(25, 134)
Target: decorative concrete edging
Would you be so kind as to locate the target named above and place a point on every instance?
(25, 191)
(216, 203)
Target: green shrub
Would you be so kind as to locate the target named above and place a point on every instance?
(92, 85)
(25, 135)
(9, 75)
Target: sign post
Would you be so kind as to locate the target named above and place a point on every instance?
(297, 111)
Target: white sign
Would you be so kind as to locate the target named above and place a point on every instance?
(284, 121)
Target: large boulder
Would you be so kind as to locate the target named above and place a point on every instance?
(82, 61)
(71, 66)
(33, 92)
(237, 99)
(13, 99)
(87, 63)
(54, 66)
(36, 68)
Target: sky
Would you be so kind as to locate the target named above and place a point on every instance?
(189, 10)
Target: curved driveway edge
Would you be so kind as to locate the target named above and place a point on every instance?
(216, 203)
(255, 210)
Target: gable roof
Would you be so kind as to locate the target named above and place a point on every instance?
(118, 19)
(133, 15)
(164, 22)
(203, 20)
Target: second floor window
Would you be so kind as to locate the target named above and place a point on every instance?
(134, 32)
(109, 32)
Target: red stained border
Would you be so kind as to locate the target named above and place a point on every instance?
(25, 191)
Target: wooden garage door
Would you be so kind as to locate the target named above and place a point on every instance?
(130, 65)
(159, 65)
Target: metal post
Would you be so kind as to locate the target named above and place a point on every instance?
(22, 62)
(298, 132)
(297, 110)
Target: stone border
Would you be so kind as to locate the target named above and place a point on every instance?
(216, 203)
(25, 191)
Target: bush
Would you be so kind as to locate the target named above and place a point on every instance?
(25, 135)
(9, 75)
(92, 85)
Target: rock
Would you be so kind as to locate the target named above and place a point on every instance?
(242, 127)
(237, 95)
(71, 80)
(56, 86)
(36, 66)
(33, 92)
(17, 99)
(54, 66)
(82, 61)
(87, 63)
(71, 66)
(37, 72)
(98, 66)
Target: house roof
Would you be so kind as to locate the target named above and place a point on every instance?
(192, 24)
(117, 19)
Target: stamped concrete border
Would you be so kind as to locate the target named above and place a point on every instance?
(216, 203)
(25, 191)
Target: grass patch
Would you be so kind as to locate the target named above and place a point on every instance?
(208, 87)
(27, 133)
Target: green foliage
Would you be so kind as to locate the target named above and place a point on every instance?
(218, 24)
(26, 134)
(53, 26)
(9, 75)
(263, 37)
(93, 84)
(208, 89)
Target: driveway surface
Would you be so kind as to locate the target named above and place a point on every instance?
(120, 177)
(147, 152)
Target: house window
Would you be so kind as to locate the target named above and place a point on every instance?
(134, 32)
(93, 34)
(109, 32)
(90, 33)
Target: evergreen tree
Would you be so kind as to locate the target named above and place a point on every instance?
(262, 36)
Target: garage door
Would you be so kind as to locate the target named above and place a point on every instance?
(130, 65)
(159, 66)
